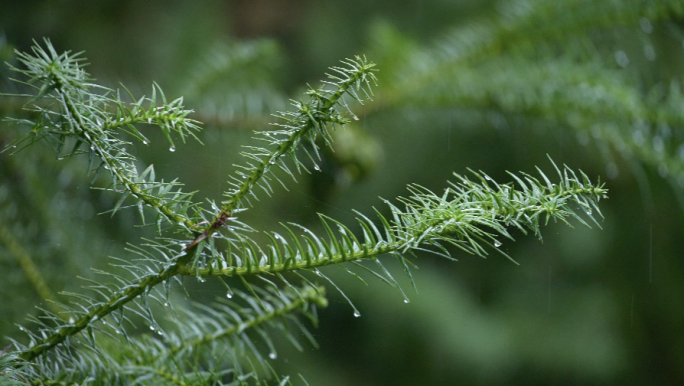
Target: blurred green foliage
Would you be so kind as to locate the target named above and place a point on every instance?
(493, 86)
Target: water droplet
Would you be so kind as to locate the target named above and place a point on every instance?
(406, 301)
(106, 167)
(160, 333)
(663, 170)
(621, 59)
(649, 52)
(355, 118)
(357, 314)
(497, 243)
(14, 147)
(144, 142)
(152, 328)
(201, 280)
(21, 329)
(658, 144)
(71, 320)
(60, 158)
(317, 168)
(166, 304)
(646, 25)
(273, 355)
(172, 149)
(589, 212)
(488, 178)
(272, 161)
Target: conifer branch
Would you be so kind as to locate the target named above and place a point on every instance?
(220, 332)
(314, 115)
(85, 118)
(102, 309)
(469, 215)
(309, 121)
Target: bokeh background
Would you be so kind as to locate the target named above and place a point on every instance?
(486, 85)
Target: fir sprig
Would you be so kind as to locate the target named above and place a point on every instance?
(221, 341)
(472, 216)
(83, 118)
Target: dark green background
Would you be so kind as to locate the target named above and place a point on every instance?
(585, 307)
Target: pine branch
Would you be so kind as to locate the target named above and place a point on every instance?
(85, 118)
(223, 334)
(310, 121)
(472, 216)
(469, 215)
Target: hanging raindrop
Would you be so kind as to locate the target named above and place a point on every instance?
(273, 355)
(649, 52)
(357, 314)
(406, 301)
(172, 149)
(663, 170)
(229, 295)
(497, 243)
(152, 328)
(589, 212)
(621, 59)
(646, 25)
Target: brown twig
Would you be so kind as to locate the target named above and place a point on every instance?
(219, 222)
